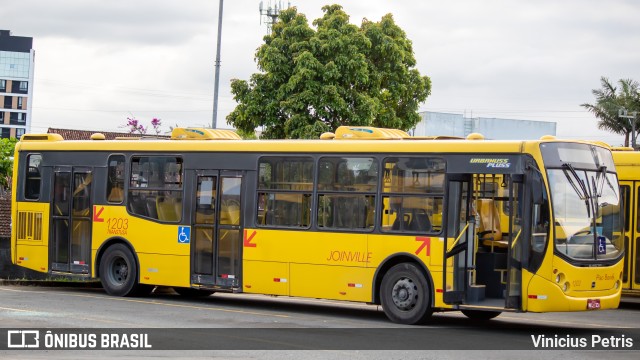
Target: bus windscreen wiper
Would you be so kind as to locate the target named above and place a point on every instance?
(577, 184)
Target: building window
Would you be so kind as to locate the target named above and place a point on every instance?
(23, 86)
(6, 133)
(17, 118)
(20, 102)
(19, 132)
(3, 85)
(8, 102)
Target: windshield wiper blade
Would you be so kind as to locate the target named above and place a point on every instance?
(580, 188)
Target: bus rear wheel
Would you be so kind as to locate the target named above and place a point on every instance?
(481, 315)
(405, 295)
(119, 272)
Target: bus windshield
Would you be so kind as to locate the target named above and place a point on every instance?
(586, 201)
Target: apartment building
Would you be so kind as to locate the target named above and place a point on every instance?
(16, 84)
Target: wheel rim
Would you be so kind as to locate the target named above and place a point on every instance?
(118, 271)
(404, 294)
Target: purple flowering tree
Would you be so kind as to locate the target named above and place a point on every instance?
(135, 127)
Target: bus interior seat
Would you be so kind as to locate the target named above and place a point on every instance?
(152, 210)
(490, 232)
(403, 219)
(168, 209)
(419, 221)
(115, 195)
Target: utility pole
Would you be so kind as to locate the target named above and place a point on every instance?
(217, 66)
(632, 117)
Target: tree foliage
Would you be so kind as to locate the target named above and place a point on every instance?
(7, 147)
(314, 80)
(609, 100)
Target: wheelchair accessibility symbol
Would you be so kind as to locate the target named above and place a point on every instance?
(602, 245)
(184, 234)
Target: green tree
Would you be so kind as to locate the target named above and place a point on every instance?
(312, 81)
(609, 100)
(7, 147)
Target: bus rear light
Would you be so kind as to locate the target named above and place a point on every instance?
(538, 297)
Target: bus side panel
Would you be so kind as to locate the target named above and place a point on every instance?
(167, 270)
(334, 261)
(163, 255)
(265, 277)
(31, 234)
(331, 282)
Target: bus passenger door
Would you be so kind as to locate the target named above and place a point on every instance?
(217, 229)
(70, 240)
(459, 239)
(629, 192)
(482, 249)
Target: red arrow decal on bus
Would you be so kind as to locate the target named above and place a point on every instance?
(96, 214)
(247, 240)
(426, 243)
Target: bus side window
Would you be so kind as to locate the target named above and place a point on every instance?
(115, 182)
(32, 178)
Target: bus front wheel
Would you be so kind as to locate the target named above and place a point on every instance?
(405, 295)
(119, 272)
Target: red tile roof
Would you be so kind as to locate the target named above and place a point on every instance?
(69, 134)
(5, 215)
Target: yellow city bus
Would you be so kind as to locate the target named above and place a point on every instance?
(366, 214)
(628, 164)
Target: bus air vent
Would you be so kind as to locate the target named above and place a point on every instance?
(204, 134)
(29, 225)
(41, 137)
(369, 133)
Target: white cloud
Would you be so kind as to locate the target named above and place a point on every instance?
(97, 62)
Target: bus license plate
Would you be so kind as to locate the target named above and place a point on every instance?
(593, 304)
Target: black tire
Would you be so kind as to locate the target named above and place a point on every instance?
(481, 315)
(405, 295)
(192, 293)
(119, 272)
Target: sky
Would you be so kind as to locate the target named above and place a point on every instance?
(98, 63)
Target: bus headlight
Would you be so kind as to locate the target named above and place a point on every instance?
(565, 287)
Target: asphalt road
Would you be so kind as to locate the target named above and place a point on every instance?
(287, 321)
